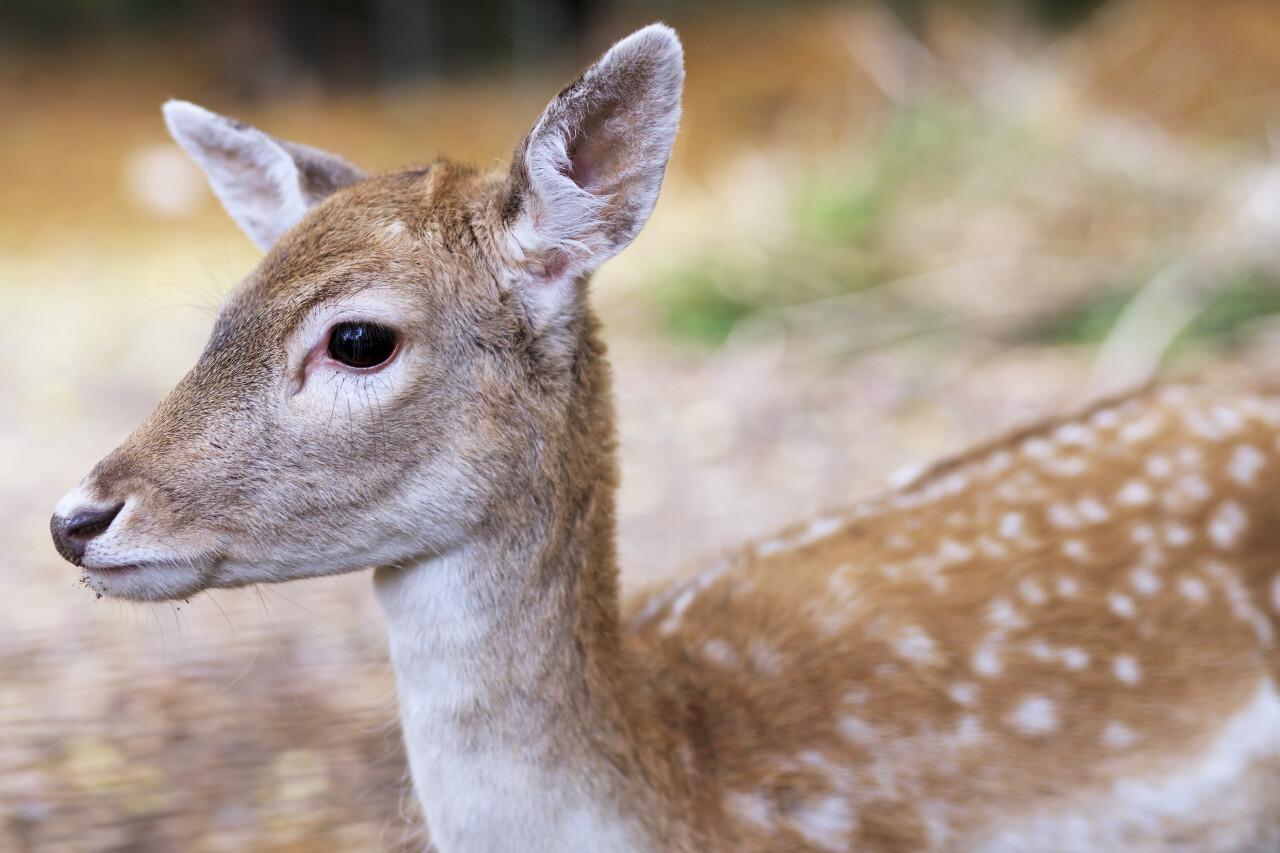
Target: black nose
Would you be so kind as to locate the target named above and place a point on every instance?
(72, 534)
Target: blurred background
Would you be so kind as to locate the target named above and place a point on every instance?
(889, 229)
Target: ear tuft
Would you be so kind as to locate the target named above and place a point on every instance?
(586, 177)
(266, 184)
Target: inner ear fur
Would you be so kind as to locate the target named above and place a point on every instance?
(585, 178)
(266, 184)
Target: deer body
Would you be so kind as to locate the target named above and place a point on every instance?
(1065, 641)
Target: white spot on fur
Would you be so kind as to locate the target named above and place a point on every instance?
(1159, 467)
(1200, 424)
(998, 462)
(1074, 433)
(900, 542)
(915, 645)
(1003, 614)
(1127, 669)
(1134, 493)
(955, 483)
(1077, 550)
(1118, 736)
(719, 651)
(1193, 589)
(858, 730)
(1032, 592)
(963, 693)
(688, 592)
(1240, 600)
(1227, 418)
(1071, 657)
(905, 476)
(395, 233)
(1021, 486)
(1227, 523)
(826, 822)
(678, 607)
(765, 658)
(1121, 605)
(1245, 464)
(1066, 466)
(1195, 487)
(1187, 492)
(1061, 515)
(1145, 581)
(1035, 715)
(1142, 429)
(1190, 456)
(1037, 448)
(1092, 510)
(687, 759)
(986, 661)
(1067, 586)
(951, 551)
(1177, 535)
(772, 546)
(1011, 525)
(991, 547)
(968, 730)
(1040, 650)
(884, 670)
(751, 808)
(1075, 658)
(819, 529)
(1105, 419)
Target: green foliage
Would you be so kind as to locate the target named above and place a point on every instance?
(1223, 321)
(694, 306)
(841, 212)
(936, 152)
(1088, 322)
(835, 244)
(1234, 308)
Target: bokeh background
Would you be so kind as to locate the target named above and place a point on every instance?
(889, 229)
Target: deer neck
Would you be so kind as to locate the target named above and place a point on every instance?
(520, 717)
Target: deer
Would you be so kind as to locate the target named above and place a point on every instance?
(1063, 640)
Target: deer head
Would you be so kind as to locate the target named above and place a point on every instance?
(398, 372)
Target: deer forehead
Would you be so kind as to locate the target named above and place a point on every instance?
(409, 249)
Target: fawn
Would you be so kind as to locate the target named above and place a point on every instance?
(1064, 641)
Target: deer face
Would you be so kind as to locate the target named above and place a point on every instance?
(387, 375)
(333, 420)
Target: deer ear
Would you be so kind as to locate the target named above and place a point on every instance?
(586, 177)
(266, 184)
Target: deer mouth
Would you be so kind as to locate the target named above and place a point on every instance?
(112, 570)
(144, 580)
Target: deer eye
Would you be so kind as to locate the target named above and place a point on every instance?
(361, 344)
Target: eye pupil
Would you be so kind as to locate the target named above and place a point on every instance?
(361, 344)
